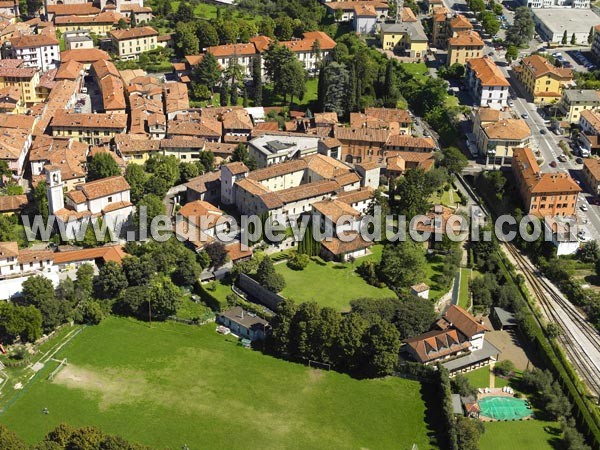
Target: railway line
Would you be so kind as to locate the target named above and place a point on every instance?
(580, 340)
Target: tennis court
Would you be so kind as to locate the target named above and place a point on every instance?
(505, 408)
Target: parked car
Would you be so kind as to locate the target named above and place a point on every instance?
(583, 207)
(553, 164)
(525, 116)
(579, 160)
(562, 158)
(543, 131)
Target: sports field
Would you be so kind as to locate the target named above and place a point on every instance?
(175, 384)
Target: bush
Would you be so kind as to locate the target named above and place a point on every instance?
(19, 352)
(298, 261)
(504, 368)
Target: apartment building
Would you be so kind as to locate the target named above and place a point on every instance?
(17, 265)
(275, 148)
(92, 129)
(591, 174)
(100, 24)
(408, 38)
(486, 83)
(497, 134)
(10, 9)
(130, 43)
(36, 50)
(543, 194)
(575, 101)
(536, 4)
(446, 25)
(111, 86)
(596, 43)
(464, 45)
(362, 14)
(543, 81)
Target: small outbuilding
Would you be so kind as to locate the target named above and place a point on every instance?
(503, 319)
(243, 323)
(420, 290)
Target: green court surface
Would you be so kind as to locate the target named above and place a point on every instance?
(504, 408)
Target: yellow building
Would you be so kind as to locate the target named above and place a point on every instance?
(408, 38)
(136, 149)
(575, 101)
(464, 45)
(92, 129)
(543, 82)
(14, 73)
(130, 43)
(100, 24)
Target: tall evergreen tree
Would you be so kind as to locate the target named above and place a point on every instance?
(208, 72)
(321, 89)
(257, 80)
(224, 93)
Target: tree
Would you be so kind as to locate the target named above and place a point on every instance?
(185, 13)
(136, 177)
(521, 31)
(188, 171)
(267, 277)
(267, 27)
(298, 261)
(468, 433)
(217, 254)
(454, 160)
(462, 386)
(102, 165)
(589, 252)
(165, 167)
(284, 28)
(553, 330)
(84, 281)
(490, 23)
(380, 347)
(122, 24)
(279, 340)
(512, 53)
(285, 72)
(89, 312)
(504, 368)
(138, 270)
(9, 440)
(186, 40)
(321, 89)
(590, 38)
(24, 322)
(207, 34)
(187, 271)
(402, 265)
(111, 280)
(38, 291)
(411, 193)
(153, 206)
(257, 80)
(496, 179)
(164, 297)
(132, 19)
(564, 38)
(336, 93)
(573, 39)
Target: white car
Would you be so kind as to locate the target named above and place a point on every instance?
(584, 207)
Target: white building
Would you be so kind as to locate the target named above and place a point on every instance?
(275, 148)
(551, 23)
(106, 199)
(486, 83)
(18, 265)
(37, 50)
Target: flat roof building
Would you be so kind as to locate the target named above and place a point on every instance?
(552, 23)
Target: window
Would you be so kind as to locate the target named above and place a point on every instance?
(110, 199)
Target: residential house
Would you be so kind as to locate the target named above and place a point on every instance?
(543, 194)
(199, 223)
(81, 9)
(90, 128)
(176, 99)
(397, 163)
(130, 43)
(464, 45)
(135, 148)
(84, 56)
(364, 15)
(275, 148)
(575, 101)
(12, 204)
(405, 38)
(101, 24)
(206, 187)
(111, 86)
(17, 265)
(244, 324)
(589, 138)
(36, 50)
(10, 9)
(78, 40)
(543, 81)
(457, 341)
(497, 134)
(486, 83)
(16, 73)
(591, 174)
(352, 246)
(596, 43)
(69, 155)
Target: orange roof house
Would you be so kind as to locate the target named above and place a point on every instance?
(543, 194)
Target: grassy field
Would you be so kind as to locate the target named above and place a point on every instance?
(433, 270)
(479, 378)
(171, 384)
(419, 71)
(330, 284)
(464, 300)
(448, 198)
(527, 434)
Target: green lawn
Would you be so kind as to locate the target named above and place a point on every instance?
(330, 284)
(433, 271)
(464, 300)
(310, 96)
(448, 198)
(419, 71)
(171, 384)
(192, 310)
(526, 434)
(479, 378)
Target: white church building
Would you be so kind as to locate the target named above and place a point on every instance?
(106, 199)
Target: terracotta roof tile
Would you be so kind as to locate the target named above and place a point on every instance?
(487, 71)
(133, 33)
(9, 203)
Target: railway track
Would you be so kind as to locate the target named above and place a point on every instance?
(580, 340)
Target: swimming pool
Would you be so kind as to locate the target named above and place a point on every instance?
(504, 408)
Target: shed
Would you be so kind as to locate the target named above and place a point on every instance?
(503, 319)
(420, 290)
